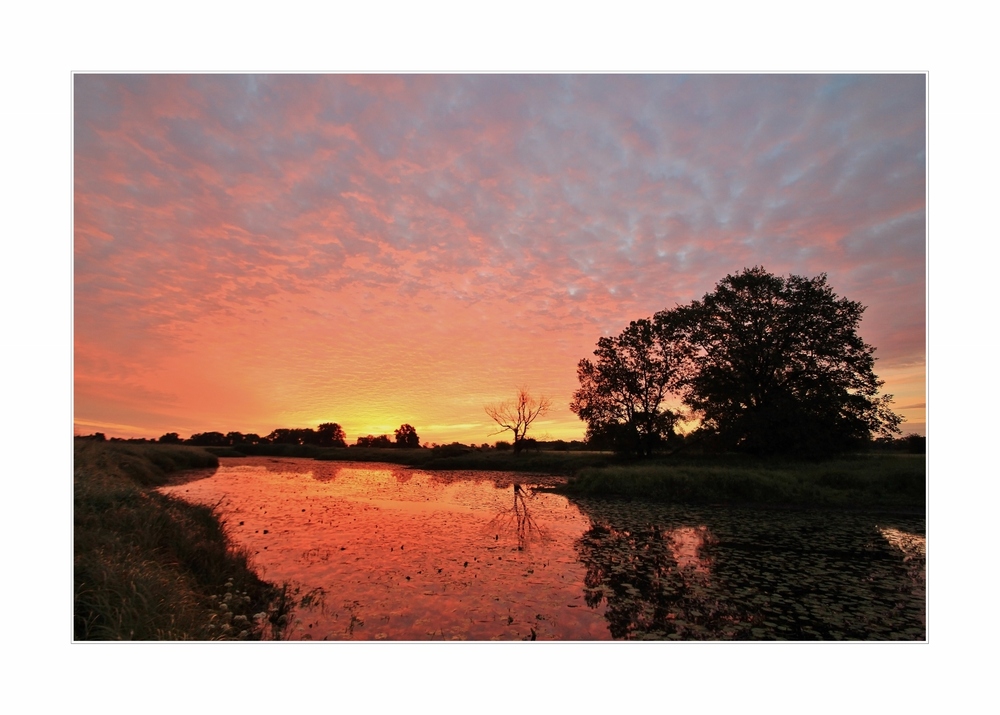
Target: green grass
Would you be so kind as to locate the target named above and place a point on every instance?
(861, 482)
(150, 567)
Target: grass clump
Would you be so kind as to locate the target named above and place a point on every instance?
(865, 481)
(151, 567)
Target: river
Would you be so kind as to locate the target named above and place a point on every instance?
(382, 551)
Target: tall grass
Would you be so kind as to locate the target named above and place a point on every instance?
(451, 457)
(152, 567)
(869, 481)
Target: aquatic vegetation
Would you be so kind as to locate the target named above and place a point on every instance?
(382, 552)
(865, 481)
(725, 574)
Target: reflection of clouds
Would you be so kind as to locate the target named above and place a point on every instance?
(687, 546)
(913, 546)
(914, 549)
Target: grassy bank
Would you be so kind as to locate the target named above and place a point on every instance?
(438, 458)
(863, 482)
(151, 567)
(441, 458)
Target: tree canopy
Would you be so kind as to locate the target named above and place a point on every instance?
(406, 437)
(331, 434)
(622, 393)
(770, 365)
(777, 366)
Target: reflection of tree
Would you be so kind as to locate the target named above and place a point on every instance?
(656, 583)
(518, 519)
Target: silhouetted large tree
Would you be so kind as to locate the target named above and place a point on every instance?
(622, 393)
(777, 366)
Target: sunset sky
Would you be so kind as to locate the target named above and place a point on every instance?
(254, 252)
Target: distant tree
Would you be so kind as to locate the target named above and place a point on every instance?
(380, 442)
(96, 437)
(330, 434)
(777, 366)
(407, 437)
(293, 436)
(915, 443)
(502, 446)
(234, 438)
(282, 435)
(208, 439)
(622, 392)
(170, 438)
(454, 449)
(516, 415)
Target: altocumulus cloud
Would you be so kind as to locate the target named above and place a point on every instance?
(241, 241)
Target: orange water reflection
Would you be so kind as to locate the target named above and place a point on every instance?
(388, 552)
(687, 546)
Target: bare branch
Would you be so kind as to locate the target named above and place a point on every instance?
(517, 415)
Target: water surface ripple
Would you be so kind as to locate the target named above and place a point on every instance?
(382, 551)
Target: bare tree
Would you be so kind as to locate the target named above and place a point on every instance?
(517, 415)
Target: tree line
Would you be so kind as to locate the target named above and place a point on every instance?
(328, 434)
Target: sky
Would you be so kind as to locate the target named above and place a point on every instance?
(261, 251)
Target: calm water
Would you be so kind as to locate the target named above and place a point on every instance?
(380, 551)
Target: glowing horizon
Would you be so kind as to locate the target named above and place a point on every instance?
(257, 252)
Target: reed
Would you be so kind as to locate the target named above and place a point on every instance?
(151, 567)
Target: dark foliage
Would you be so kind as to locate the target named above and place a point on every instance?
(96, 437)
(382, 441)
(777, 366)
(330, 434)
(406, 437)
(208, 439)
(622, 392)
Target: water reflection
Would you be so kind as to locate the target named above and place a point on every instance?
(378, 551)
(517, 519)
(410, 558)
(669, 572)
(688, 547)
(655, 583)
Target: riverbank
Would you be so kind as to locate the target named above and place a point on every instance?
(151, 567)
(866, 481)
(447, 457)
(876, 480)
